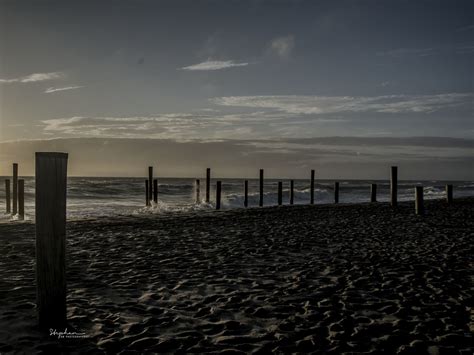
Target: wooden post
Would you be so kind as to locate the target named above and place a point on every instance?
(336, 192)
(15, 188)
(218, 195)
(197, 191)
(419, 208)
(208, 185)
(147, 193)
(21, 199)
(260, 203)
(312, 188)
(393, 186)
(7, 196)
(246, 193)
(292, 192)
(449, 193)
(50, 210)
(155, 191)
(150, 183)
(373, 193)
(280, 193)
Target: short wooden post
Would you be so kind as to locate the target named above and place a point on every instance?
(312, 188)
(246, 193)
(208, 185)
(336, 192)
(449, 193)
(373, 192)
(393, 186)
(260, 203)
(50, 210)
(218, 195)
(280, 193)
(292, 192)
(419, 207)
(21, 199)
(15, 188)
(150, 183)
(197, 191)
(7, 196)
(155, 191)
(147, 193)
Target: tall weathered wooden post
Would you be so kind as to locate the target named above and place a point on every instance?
(280, 193)
(312, 188)
(373, 192)
(292, 192)
(155, 190)
(197, 191)
(336, 192)
(246, 193)
(21, 199)
(449, 193)
(260, 203)
(15, 188)
(150, 183)
(50, 210)
(393, 186)
(208, 185)
(419, 207)
(7, 196)
(218, 195)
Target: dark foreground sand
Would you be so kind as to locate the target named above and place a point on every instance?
(327, 279)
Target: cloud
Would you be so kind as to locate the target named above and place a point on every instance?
(339, 104)
(215, 65)
(283, 46)
(465, 28)
(254, 117)
(53, 89)
(209, 124)
(34, 78)
(334, 150)
(176, 125)
(466, 48)
(457, 48)
(404, 52)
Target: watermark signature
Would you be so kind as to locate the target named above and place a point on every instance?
(67, 334)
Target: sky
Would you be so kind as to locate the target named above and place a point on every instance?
(222, 72)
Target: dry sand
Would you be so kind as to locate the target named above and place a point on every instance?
(327, 279)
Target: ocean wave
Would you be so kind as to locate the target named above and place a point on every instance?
(270, 198)
(163, 207)
(100, 197)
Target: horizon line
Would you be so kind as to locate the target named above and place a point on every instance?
(215, 140)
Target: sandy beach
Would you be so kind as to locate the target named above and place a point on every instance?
(295, 279)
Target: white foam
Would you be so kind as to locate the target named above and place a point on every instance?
(162, 207)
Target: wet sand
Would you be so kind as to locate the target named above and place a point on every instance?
(323, 279)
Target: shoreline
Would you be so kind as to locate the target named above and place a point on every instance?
(302, 278)
(403, 205)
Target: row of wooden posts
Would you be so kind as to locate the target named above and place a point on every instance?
(151, 191)
(17, 196)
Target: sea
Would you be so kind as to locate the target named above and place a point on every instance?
(90, 197)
